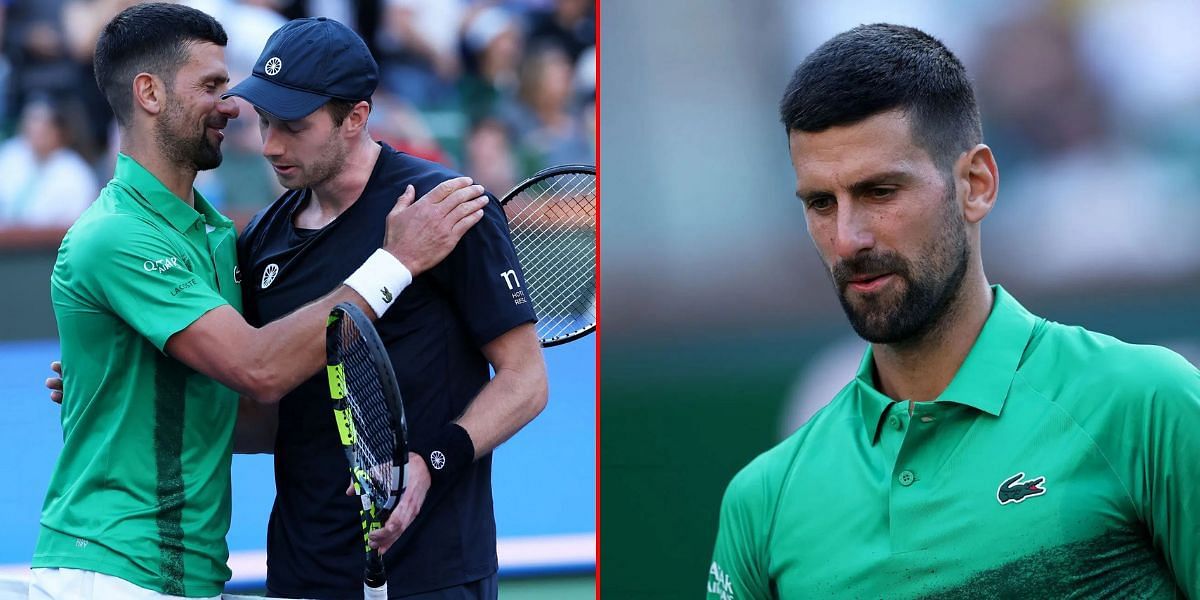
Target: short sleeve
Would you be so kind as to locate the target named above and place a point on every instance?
(484, 278)
(738, 571)
(128, 266)
(1171, 465)
(246, 251)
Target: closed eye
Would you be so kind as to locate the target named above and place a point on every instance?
(882, 193)
(820, 203)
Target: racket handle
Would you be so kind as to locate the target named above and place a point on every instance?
(375, 593)
(374, 577)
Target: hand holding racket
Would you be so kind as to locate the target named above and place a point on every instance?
(371, 425)
(417, 482)
(552, 217)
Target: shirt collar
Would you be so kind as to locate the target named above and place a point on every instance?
(161, 200)
(983, 380)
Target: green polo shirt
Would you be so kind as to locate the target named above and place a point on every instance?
(1059, 463)
(141, 490)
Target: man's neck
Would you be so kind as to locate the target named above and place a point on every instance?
(176, 177)
(331, 198)
(921, 370)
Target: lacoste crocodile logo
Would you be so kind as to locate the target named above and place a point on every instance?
(1014, 490)
(387, 296)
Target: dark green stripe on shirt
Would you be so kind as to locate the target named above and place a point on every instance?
(170, 377)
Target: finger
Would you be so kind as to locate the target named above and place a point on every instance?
(444, 189)
(460, 228)
(56, 397)
(406, 199)
(350, 489)
(56, 366)
(386, 544)
(53, 383)
(460, 197)
(382, 538)
(401, 518)
(465, 209)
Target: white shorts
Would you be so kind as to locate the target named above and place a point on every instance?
(74, 584)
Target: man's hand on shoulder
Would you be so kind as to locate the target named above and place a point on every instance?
(421, 234)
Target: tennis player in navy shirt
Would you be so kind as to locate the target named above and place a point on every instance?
(311, 88)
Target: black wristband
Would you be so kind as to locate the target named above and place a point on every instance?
(447, 454)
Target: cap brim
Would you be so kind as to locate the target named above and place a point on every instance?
(282, 102)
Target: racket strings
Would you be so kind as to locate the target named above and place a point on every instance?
(553, 225)
(376, 441)
(562, 296)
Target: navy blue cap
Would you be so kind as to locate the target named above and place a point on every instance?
(306, 63)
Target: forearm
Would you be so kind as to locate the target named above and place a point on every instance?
(290, 350)
(506, 404)
(260, 363)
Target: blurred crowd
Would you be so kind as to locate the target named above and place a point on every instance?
(1091, 106)
(497, 89)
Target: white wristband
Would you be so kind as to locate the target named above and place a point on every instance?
(380, 280)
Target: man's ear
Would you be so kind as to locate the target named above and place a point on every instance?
(357, 119)
(149, 93)
(977, 172)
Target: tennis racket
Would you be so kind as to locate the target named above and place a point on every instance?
(371, 425)
(552, 217)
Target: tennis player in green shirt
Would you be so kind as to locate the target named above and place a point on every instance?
(154, 349)
(981, 451)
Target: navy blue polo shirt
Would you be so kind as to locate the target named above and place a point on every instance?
(433, 333)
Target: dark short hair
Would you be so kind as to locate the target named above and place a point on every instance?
(881, 67)
(339, 109)
(151, 38)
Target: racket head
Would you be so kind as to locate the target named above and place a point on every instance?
(368, 409)
(552, 220)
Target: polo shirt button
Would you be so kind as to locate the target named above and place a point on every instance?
(907, 478)
(894, 421)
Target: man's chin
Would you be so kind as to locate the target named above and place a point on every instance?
(289, 183)
(207, 156)
(208, 163)
(873, 316)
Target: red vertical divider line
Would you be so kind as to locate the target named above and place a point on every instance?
(599, 302)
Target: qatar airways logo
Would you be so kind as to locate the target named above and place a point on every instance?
(162, 265)
(719, 583)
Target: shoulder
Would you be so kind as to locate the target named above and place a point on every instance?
(760, 483)
(110, 223)
(107, 242)
(1100, 362)
(404, 169)
(1108, 387)
(409, 163)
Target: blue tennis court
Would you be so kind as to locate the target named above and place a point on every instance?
(543, 479)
